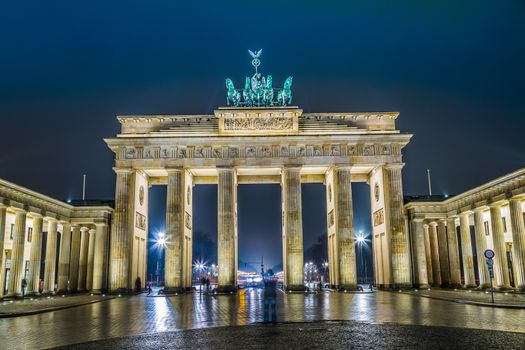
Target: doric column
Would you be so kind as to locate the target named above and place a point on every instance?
(428, 254)
(63, 258)
(344, 218)
(395, 219)
(434, 249)
(518, 240)
(51, 256)
(453, 253)
(3, 219)
(443, 252)
(420, 259)
(120, 234)
(16, 273)
(173, 271)
(501, 271)
(100, 262)
(466, 250)
(82, 261)
(33, 280)
(74, 259)
(292, 228)
(226, 227)
(481, 246)
(90, 259)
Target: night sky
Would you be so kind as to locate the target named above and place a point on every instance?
(453, 69)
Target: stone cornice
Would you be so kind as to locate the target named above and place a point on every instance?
(496, 191)
(18, 197)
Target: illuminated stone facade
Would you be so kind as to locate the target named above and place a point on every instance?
(487, 217)
(77, 237)
(259, 145)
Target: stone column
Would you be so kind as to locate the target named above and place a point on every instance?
(481, 246)
(443, 253)
(428, 254)
(434, 249)
(420, 259)
(99, 264)
(74, 259)
(83, 259)
(33, 280)
(395, 221)
(17, 254)
(344, 217)
(453, 253)
(292, 228)
(466, 250)
(226, 227)
(501, 271)
(3, 219)
(120, 234)
(90, 259)
(63, 259)
(173, 258)
(51, 257)
(518, 241)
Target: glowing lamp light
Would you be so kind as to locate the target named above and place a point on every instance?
(360, 239)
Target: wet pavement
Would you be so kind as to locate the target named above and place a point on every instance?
(31, 305)
(136, 315)
(477, 296)
(319, 335)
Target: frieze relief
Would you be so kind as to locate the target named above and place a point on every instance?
(259, 123)
(267, 151)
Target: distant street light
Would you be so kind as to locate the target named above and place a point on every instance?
(160, 242)
(361, 242)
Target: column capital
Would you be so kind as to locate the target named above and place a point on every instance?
(425, 226)
(18, 210)
(92, 231)
(35, 215)
(51, 219)
(497, 204)
(345, 166)
(465, 213)
(101, 224)
(433, 223)
(394, 165)
(84, 229)
(480, 209)
(174, 170)
(517, 199)
(122, 170)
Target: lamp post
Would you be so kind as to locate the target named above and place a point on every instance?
(161, 244)
(361, 241)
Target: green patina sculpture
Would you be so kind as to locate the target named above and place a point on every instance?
(258, 90)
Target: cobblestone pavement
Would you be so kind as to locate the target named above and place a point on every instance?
(30, 305)
(501, 298)
(137, 315)
(319, 335)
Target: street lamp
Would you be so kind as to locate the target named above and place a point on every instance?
(361, 242)
(160, 242)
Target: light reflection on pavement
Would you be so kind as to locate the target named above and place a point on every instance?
(140, 314)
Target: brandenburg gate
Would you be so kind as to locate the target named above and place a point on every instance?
(260, 138)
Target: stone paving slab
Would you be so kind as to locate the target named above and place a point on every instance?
(31, 306)
(317, 335)
(476, 297)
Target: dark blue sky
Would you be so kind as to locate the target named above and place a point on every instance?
(454, 69)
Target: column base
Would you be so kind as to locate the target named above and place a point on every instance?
(48, 293)
(470, 286)
(422, 286)
(397, 286)
(175, 290)
(455, 286)
(347, 288)
(226, 289)
(295, 288)
(484, 286)
(503, 288)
